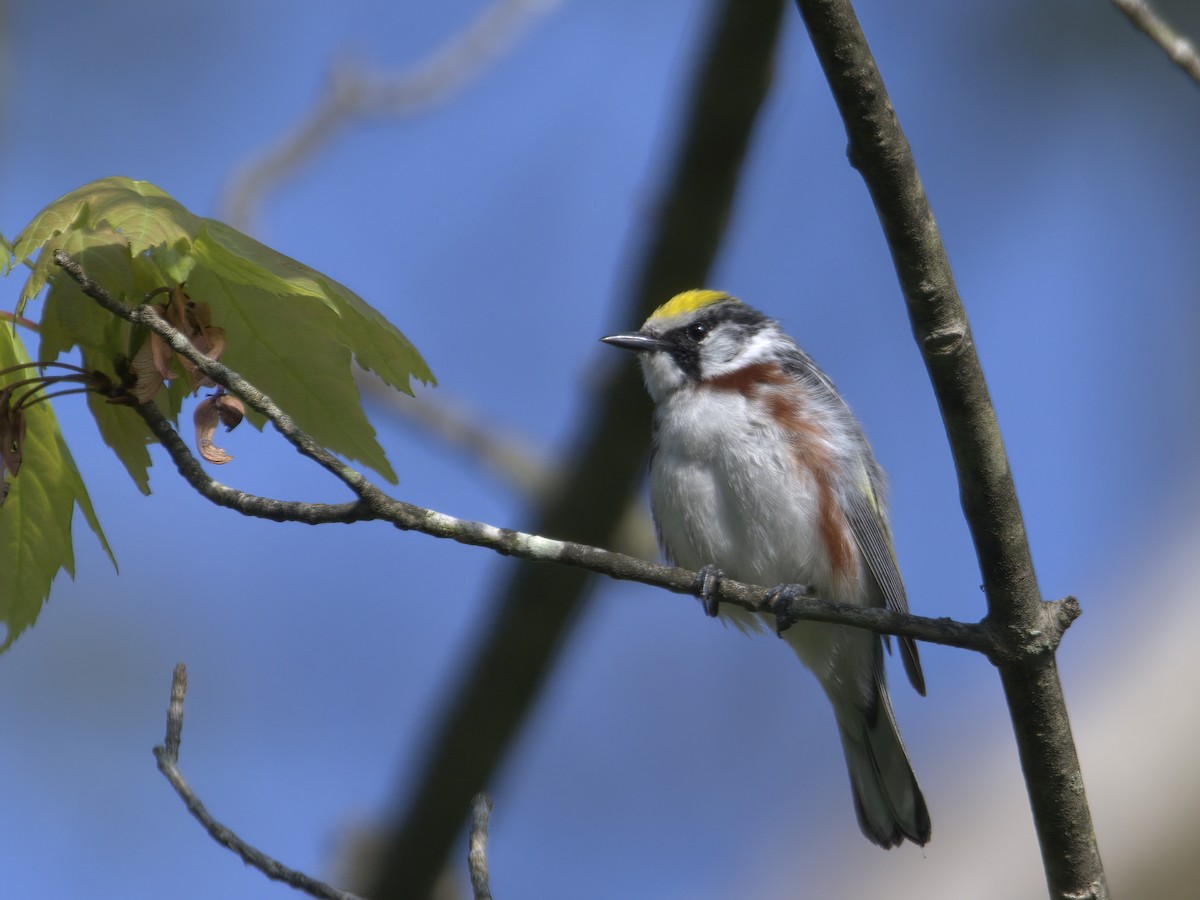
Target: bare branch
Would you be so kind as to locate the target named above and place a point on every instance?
(355, 94)
(481, 808)
(880, 151)
(167, 756)
(1178, 47)
(170, 749)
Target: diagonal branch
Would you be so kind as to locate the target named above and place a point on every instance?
(167, 756)
(1179, 49)
(881, 153)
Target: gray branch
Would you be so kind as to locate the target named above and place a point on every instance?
(167, 756)
(1178, 48)
(374, 504)
(1016, 613)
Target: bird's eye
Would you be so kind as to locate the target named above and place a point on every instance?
(697, 330)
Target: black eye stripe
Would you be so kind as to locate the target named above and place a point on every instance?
(684, 342)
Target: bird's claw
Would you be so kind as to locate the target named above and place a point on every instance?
(708, 579)
(779, 601)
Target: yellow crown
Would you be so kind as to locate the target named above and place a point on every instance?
(688, 301)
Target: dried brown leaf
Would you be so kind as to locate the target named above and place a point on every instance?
(177, 312)
(200, 315)
(206, 417)
(211, 342)
(144, 367)
(231, 410)
(162, 355)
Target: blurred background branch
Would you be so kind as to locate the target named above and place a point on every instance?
(527, 469)
(534, 614)
(353, 94)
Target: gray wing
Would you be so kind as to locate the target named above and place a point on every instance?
(865, 506)
(874, 540)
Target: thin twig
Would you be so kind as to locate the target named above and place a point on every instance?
(481, 809)
(1178, 47)
(354, 94)
(167, 756)
(169, 752)
(375, 504)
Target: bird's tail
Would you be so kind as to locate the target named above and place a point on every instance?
(887, 799)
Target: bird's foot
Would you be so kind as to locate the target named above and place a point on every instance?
(708, 579)
(779, 601)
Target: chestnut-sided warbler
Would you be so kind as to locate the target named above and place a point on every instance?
(760, 472)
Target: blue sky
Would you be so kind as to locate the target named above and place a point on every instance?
(498, 230)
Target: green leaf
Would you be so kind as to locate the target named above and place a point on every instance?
(8, 255)
(285, 344)
(72, 319)
(289, 329)
(376, 343)
(35, 519)
(145, 215)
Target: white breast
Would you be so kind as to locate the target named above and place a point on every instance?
(727, 489)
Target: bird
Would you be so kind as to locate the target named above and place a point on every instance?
(760, 472)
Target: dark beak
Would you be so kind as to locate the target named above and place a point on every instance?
(638, 342)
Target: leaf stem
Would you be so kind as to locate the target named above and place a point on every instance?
(20, 320)
(24, 403)
(43, 365)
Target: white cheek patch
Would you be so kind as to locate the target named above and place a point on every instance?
(724, 354)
